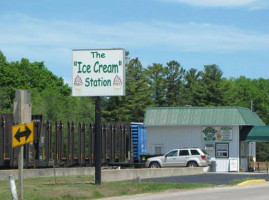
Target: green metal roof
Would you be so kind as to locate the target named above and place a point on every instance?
(259, 134)
(196, 116)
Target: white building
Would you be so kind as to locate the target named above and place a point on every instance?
(222, 131)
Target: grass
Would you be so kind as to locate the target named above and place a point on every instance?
(82, 187)
(237, 181)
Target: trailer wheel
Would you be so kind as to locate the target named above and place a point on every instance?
(154, 165)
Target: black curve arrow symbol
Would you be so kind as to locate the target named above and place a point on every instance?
(25, 133)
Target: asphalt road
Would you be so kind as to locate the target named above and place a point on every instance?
(250, 192)
(211, 178)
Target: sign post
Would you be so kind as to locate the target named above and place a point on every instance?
(98, 72)
(98, 141)
(22, 115)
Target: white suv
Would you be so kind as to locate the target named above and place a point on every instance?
(187, 157)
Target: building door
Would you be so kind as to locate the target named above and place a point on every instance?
(244, 155)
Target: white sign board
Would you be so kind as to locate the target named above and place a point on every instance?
(233, 165)
(98, 72)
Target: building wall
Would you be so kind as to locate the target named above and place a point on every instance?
(164, 139)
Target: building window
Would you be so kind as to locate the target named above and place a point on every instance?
(222, 150)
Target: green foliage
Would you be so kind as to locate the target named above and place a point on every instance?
(132, 106)
(262, 149)
(26, 75)
(155, 85)
(49, 95)
(137, 91)
(157, 82)
(174, 74)
(246, 90)
(212, 90)
(5, 100)
(55, 107)
(191, 90)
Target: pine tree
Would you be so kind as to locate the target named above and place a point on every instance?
(212, 90)
(174, 83)
(192, 81)
(130, 107)
(156, 76)
(137, 92)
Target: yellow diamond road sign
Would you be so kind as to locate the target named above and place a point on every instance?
(22, 134)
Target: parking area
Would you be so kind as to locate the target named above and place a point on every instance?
(210, 178)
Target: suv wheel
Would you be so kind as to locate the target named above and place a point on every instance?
(192, 164)
(154, 165)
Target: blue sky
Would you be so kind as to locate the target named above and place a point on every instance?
(233, 34)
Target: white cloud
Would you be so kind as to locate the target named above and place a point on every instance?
(216, 3)
(42, 34)
(53, 40)
(260, 5)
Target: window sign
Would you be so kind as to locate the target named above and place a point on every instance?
(209, 134)
(222, 150)
(225, 133)
(215, 134)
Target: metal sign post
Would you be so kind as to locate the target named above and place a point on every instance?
(22, 115)
(98, 141)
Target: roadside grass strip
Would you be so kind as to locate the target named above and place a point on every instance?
(83, 187)
(249, 182)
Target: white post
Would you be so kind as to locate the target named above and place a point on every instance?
(22, 114)
(13, 188)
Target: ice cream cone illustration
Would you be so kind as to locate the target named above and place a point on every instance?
(219, 136)
(117, 85)
(78, 83)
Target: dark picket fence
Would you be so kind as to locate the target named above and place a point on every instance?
(259, 167)
(65, 144)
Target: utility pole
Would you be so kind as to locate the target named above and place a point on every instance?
(251, 105)
(22, 115)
